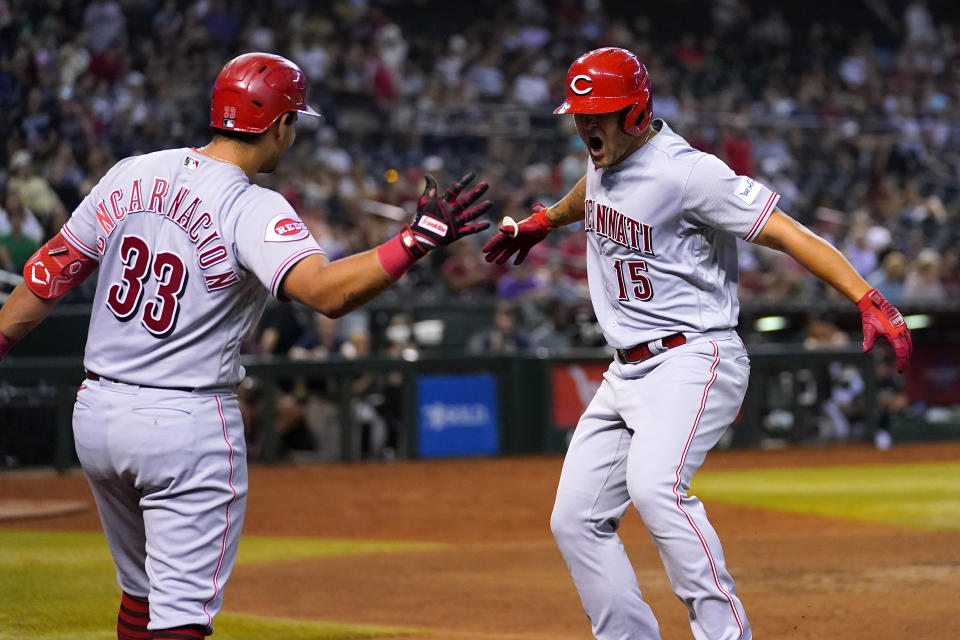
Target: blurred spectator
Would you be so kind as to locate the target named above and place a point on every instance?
(104, 22)
(316, 396)
(318, 342)
(12, 208)
(35, 192)
(65, 176)
(312, 56)
(523, 282)
(950, 269)
(862, 257)
(738, 150)
(465, 270)
(891, 398)
(923, 278)
(919, 23)
(220, 22)
(400, 339)
(889, 278)
(36, 121)
(400, 345)
(16, 245)
(556, 332)
(784, 279)
(843, 405)
(530, 87)
(503, 337)
(486, 76)
(822, 334)
(770, 150)
(280, 328)
(367, 400)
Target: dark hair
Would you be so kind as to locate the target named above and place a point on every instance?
(239, 136)
(245, 136)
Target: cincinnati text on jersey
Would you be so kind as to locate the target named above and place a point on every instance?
(608, 222)
(207, 242)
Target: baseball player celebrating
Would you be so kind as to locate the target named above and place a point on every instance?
(662, 220)
(189, 251)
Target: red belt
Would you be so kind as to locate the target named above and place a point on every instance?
(643, 351)
(96, 378)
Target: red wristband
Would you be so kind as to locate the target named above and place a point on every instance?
(540, 215)
(870, 299)
(5, 344)
(394, 258)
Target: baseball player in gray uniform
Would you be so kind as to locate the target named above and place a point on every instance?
(188, 251)
(662, 220)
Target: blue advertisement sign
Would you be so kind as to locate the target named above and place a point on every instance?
(457, 415)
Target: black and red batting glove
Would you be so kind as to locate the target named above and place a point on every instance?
(440, 221)
(518, 237)
(882, 318)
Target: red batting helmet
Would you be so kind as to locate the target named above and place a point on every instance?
(607, 80)
(255, 89)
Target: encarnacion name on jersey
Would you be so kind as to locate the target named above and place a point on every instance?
(207, 242)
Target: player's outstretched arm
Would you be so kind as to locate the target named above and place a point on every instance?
(519, 237)
(822, 259)
(338, 287)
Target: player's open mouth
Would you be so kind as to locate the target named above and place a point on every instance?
(595, 144)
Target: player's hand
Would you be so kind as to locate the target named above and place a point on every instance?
(440, 221)
(881, 317)
(518, 237)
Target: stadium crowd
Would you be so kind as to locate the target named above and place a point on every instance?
(850, 110)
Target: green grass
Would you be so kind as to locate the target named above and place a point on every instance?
(921, 496)
(61, 586)
(255, 549)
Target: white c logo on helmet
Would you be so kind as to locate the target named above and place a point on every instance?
(581, 92)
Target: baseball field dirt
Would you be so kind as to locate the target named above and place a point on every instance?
(495, 574)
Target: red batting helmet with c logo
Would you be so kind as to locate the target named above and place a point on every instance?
(255, 89)
(607, 80)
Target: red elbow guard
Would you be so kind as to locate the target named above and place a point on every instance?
(56, 268)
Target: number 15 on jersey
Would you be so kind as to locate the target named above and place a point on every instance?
(633, 270)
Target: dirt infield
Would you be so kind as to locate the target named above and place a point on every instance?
(800, 577)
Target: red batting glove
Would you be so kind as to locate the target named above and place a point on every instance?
(519, 239)
(881, 317)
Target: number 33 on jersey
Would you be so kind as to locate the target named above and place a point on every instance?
(189, 252)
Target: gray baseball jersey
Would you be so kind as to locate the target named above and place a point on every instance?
(661, 258)
(661, 251)
(188, 251)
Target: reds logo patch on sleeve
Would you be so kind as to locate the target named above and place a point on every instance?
(285, 227)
